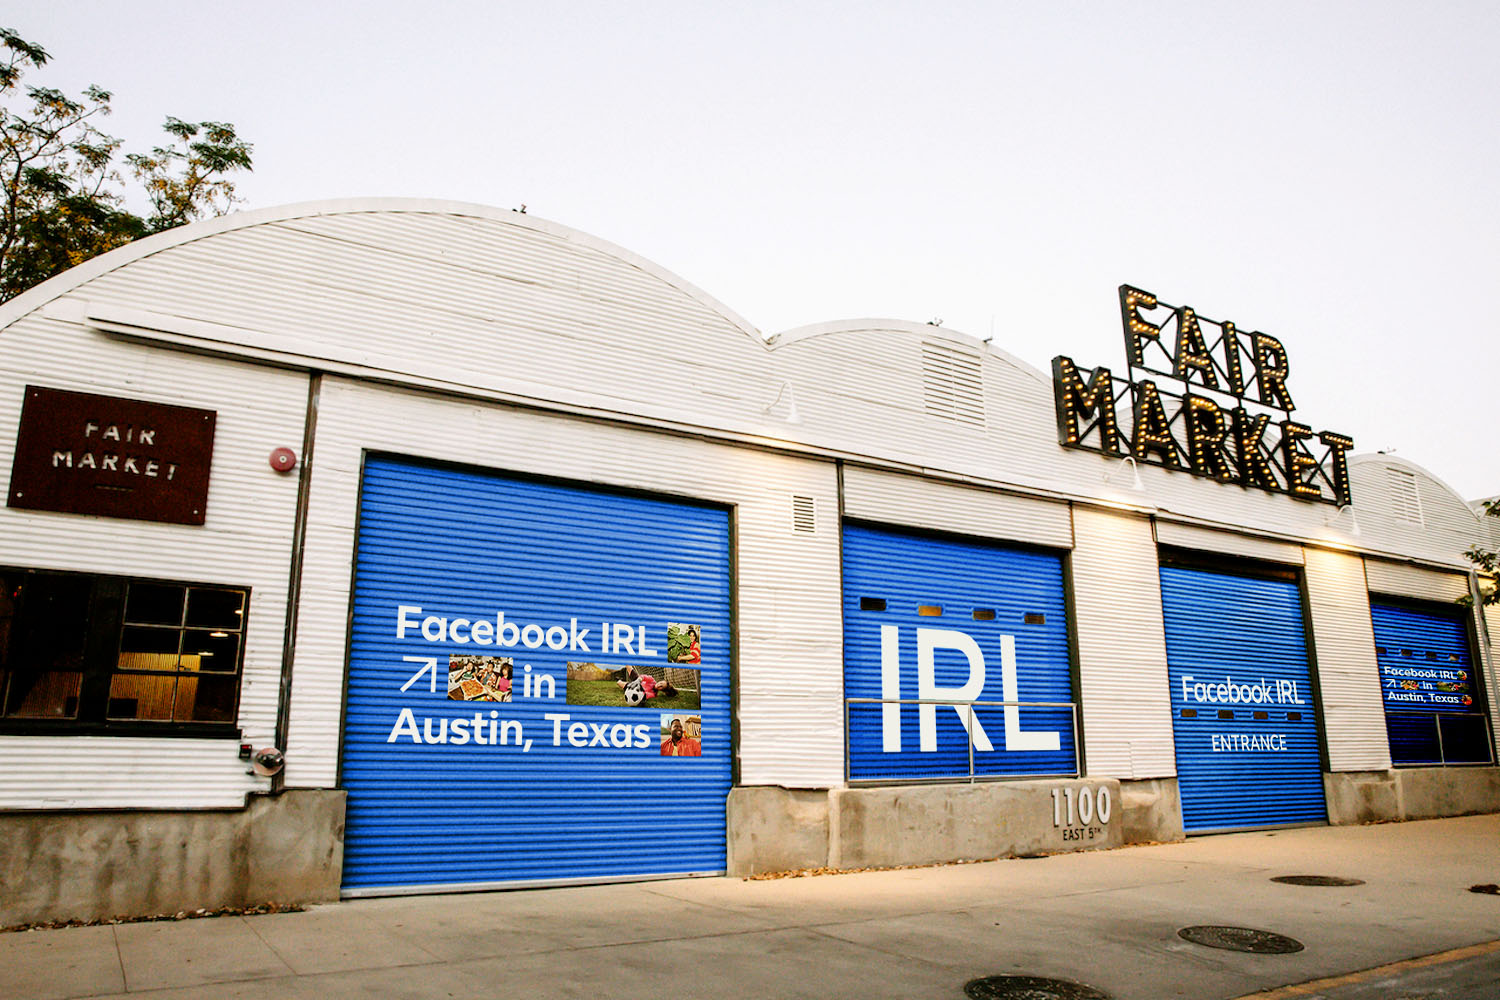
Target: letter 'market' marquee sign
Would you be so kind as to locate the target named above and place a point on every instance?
(1227, 415)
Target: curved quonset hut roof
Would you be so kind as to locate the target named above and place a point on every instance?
(504, 307)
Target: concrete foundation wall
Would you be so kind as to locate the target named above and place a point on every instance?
(1411, 793)
(776, 829)
(1151, 811)
(63, 866)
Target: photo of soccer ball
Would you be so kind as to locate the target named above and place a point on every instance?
(634, 695)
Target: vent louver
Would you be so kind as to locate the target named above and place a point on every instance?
(804, 519)
(1406, 500)
(953, 383)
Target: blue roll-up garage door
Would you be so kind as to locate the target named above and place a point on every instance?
(538, 685)
(1433, 713)
(1243, 718)
(945, 620)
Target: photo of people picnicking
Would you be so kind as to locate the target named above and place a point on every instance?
(479, 678)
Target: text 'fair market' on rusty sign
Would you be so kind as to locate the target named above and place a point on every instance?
(80, 453)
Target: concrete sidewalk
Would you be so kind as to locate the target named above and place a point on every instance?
(1108, 919)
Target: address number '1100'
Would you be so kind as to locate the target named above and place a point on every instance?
(1085, 807)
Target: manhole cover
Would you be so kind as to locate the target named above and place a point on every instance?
(1241, 939)
(1029, 988)
(1316, 880)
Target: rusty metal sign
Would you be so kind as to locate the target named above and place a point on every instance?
(81, 453)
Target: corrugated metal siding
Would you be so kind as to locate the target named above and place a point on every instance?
(1007, 603)
(48, 772)
(1248, 754)
(1401, 580)
(1122, 653)
(1488, 622)
(566, 570)
(787, 592)
(892, 498)
(1187, 536)
(382, 286)
(505, 297)
(1403, 508)
(245, 541)
(1348, 677)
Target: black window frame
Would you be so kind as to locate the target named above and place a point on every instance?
(103, 628)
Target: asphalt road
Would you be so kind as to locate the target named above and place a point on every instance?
(1110, 919)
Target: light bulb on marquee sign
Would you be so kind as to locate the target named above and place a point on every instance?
(1192, 430)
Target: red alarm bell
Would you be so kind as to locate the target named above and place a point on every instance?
(283, 459)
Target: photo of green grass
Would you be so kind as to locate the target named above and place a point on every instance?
(591, 684)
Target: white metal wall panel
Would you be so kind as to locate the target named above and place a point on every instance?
(1403, 508)
(1489, 633)
(1402, 580)
(245, 541)
(1348, 676)
(590, 322)
(892, 498)
(1122, 651)
(1188, 536)
(788, 612)
(428, 286)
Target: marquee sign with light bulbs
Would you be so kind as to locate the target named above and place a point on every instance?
(1226, 415)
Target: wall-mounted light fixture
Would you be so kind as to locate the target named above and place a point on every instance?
(1336, 520)
(1135, 483)
(785, 391)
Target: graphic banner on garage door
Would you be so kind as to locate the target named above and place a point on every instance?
(538, 683)
(973, 626)
(1243, 718)
(1432, 709)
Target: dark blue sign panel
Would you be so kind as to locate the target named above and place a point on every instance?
(538, 683)
(1424, 660)
(1243, 718)
(954, 629)
(1427, 680)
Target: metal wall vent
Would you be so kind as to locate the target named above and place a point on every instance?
(953, 384)
(804, 515)
(1406, 500)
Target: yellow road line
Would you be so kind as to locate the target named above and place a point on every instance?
(1307, 989)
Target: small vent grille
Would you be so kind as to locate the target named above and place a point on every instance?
(953, 382)
(1406, 501)
(804, 515)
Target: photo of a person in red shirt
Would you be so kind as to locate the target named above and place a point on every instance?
(679, 744)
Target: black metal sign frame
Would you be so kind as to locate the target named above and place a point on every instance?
(1225, 415)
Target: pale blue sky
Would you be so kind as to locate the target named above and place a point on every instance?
(1323, 172)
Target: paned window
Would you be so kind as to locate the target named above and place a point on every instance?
(83, 653)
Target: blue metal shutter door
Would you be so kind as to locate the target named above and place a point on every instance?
(1243, 718)
(1008, 602)
(1431, 692)
(451, 785)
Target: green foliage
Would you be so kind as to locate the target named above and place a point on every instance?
(1487, 562)
(63, 191)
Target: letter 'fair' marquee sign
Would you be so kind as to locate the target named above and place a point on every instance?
(1227, 415)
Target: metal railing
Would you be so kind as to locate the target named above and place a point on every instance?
(969, 718)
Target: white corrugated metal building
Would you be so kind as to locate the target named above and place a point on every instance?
(423, 341)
